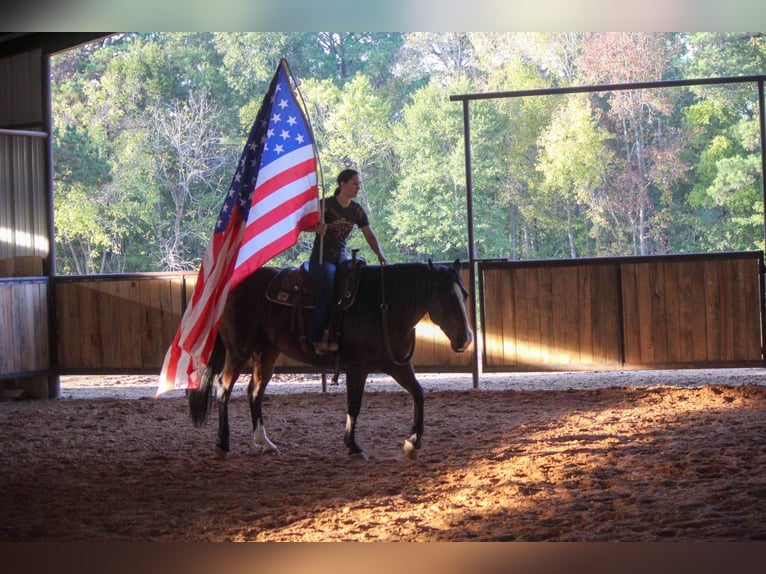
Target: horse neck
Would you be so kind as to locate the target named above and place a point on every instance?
(408, 288)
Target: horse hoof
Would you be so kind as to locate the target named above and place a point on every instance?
(221, 454)
(410, 450)
(361, 455)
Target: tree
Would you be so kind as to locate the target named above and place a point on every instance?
(190, 174)
(574, 161)
(88, 225)
(640, 118)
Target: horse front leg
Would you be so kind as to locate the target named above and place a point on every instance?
(355, 382)
(263, 369)
(405, 376)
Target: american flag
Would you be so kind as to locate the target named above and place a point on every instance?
(273, 196)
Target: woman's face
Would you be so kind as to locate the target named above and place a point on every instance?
(351, 187)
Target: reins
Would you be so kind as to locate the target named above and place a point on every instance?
(384, 319)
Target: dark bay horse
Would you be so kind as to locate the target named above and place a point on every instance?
(376, 336)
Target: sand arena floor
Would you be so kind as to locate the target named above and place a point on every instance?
(609, 456)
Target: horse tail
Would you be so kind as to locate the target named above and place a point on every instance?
(199, 398)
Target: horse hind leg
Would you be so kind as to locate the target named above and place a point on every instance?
(263, 369)
(223, 387)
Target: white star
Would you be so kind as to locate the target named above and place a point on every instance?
(279, 149)
(283, 104)
(292, 121)
(285, 135)
(299, 138)
(276, 118)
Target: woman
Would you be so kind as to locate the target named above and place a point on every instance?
(341, 213)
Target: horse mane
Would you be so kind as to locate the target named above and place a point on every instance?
(407, 285)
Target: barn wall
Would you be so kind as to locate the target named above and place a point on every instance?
(624, 313)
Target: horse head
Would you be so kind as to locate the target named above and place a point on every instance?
(447, 305)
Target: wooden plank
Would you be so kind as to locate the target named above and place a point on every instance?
(88, 302)
(8, 355)
(111, 315)
(149, 293)
(631, 325)
(507, 332)
(585, 316)
(746, 310)
(712, 292)
(533, 341)
(571, 305)
(644, 299)
(672, 312)
(658, 298)
(31, 318)
(131, 355)
(561, 298)
(727, 296)
(492, 325)
(520, 314)
(696, 301)
(545, 299)
(605, 316)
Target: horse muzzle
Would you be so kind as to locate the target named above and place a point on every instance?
(461, 345)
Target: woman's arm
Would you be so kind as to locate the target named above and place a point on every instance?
(372, 240)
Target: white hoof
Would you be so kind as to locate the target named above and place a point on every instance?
(262, 440)
(410, 450)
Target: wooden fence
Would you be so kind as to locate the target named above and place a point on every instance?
(621, 313)
(125, 323)
(629, 313)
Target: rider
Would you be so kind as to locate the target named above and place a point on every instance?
(341, 213)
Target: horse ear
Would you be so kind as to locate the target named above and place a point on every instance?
(430, 263)
(456, 264)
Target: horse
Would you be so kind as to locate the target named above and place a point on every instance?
(377, 335)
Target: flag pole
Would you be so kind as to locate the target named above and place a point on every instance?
(283, 61)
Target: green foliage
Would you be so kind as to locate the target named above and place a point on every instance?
(149, 126)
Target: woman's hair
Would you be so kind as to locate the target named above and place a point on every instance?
(343, 177)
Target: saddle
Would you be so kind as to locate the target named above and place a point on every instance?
(294, 287)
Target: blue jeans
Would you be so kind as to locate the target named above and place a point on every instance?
(324, 278)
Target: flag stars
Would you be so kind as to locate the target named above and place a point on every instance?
(283, 104)
(276, 118)
(285, 135)
(292, 121)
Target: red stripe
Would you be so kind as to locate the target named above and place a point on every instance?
(262, 256)
(272, 249)
(283, 178)
(280, 212)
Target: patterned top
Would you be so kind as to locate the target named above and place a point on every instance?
(340, 222)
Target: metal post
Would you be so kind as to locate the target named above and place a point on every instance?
(471, 246)
(54, 378)
(762, 120)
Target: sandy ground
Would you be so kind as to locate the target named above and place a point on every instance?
(612, 456)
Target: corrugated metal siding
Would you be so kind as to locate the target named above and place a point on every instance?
(21, 97)
(23, 203)
(23, 199)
